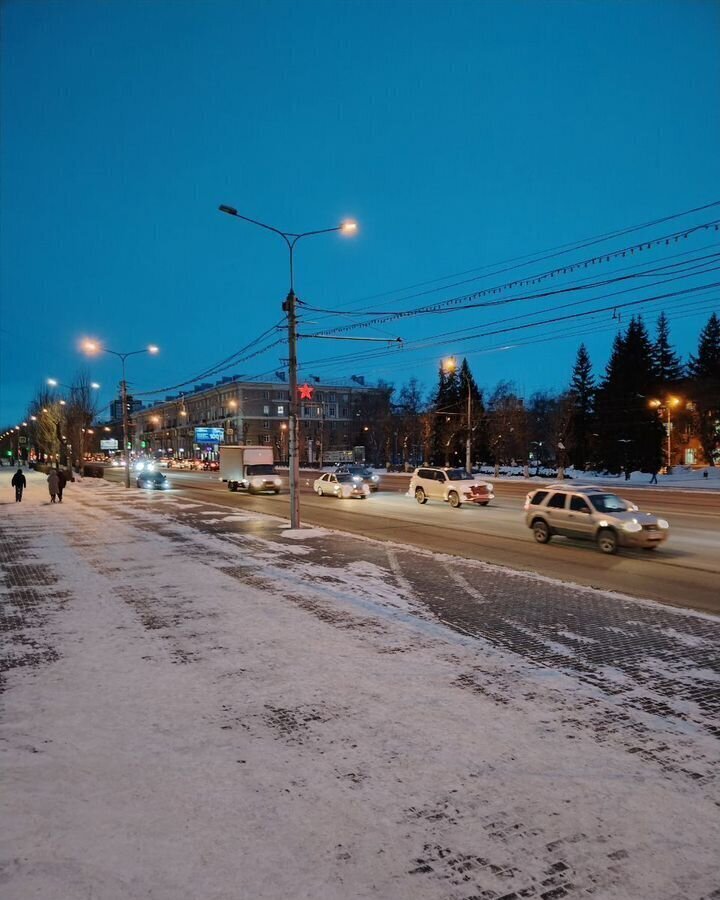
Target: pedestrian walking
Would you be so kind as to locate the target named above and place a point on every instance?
(53, 485)
(19, 482)
(62, 481)
(654, 480)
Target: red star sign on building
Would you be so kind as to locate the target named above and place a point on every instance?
(306, 392)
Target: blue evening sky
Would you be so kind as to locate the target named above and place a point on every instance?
(459, 134)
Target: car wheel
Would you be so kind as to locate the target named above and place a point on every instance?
(607, 540)
(454, 499)
(651, 547)
(319, 491)
(232, 486)
(277, 490)
(484, 503)
(420, 495)
(541, 532)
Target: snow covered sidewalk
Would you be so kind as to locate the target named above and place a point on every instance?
(193, 714)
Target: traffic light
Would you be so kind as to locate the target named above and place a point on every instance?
(143, 444)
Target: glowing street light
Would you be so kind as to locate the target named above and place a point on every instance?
(348, 227)
(668, 404)
(92, 346)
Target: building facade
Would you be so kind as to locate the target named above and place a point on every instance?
(333, 419)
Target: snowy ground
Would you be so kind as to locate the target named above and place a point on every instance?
(204, 705)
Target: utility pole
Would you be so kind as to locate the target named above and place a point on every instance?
(289, 306)
(293, 455)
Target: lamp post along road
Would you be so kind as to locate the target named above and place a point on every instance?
(668, 403)
(95, 347)
(289, 307)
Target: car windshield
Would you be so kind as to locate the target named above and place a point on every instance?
(265, 469)
(608, 503)
(457, 475)
(344, 478)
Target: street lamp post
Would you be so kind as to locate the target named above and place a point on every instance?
(667, 404)
(95, 347)
(289, 306)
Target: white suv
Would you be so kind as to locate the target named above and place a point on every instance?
(454, 486)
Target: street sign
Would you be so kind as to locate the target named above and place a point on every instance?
(109, 444)
(22, 439)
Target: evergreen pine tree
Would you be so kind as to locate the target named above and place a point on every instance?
(704, 388)
(668, 368)
(707, 362)
(630, 433)
(582, 397)
(477, 414)
(446, 403)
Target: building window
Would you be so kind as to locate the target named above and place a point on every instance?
(281, 410)
(266, 410)
(331, 397)
(344, 412)
(266, 395)
(266, 439)
(266, 423)
(332, 411)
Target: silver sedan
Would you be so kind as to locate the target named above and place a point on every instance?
(340, 486)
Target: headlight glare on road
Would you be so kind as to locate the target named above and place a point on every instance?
(634, 525)
(663, 523)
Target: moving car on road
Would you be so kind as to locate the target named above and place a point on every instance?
(149, 478)
(593, 514)
(454, 486)
(360, 473)
(340, 485)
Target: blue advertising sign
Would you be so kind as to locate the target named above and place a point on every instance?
(209, 435)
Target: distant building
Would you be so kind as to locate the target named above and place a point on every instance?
(116, 413)
(334, 419)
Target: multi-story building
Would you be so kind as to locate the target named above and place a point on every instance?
(333, 418)
(116, 414)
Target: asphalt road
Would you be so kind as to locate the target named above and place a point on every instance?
(683, 572)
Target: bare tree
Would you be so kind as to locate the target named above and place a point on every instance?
(80, 411)
(507, 425)
(47, 424)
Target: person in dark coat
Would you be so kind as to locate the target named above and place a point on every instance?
(19, 482)
(62, 481)
(52, 481)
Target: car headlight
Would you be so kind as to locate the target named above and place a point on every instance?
(634, 525)
(356, 478)
(663, 523)
(375, 477)
(277, 482)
